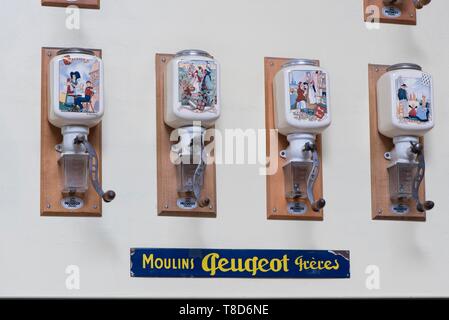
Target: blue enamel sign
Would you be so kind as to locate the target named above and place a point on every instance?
(226, 263)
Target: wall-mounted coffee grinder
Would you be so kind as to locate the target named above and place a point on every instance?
(192, 104)
(405, 113)
(76, 104)
(302, 110)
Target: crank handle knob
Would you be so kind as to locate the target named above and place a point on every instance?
(428, 205)
(419, 4)
(108, 196)
(318, 205)
(204, 202)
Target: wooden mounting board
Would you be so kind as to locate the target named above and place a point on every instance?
(407, 17)
(380, 195)
(50, 170)
(167, 194)
(276, 201)
(85, 4)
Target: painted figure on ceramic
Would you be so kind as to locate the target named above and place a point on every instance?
(198, 85)
(79, 84)
(308, 95)
(413, 95)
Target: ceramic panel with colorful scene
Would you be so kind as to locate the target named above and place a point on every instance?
(198, 85)
(79, 84)
(308, 95)
(414, 99)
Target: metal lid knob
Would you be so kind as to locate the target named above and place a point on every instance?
(300, 62)
(193, 52)
(404, 66)
(76, 50)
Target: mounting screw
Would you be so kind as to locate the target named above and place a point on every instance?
(380, 211)
(166, 206)
(95, 206)
(49, 54)
(211, 207)
(275, 209)
(48, 206)
(411, 15)
(271, 63)
(164, 60)
(377, 70)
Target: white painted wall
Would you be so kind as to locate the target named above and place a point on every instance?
(35, 251)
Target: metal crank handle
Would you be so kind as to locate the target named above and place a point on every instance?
(198, 177)
(107, 196)
(417, 149)
(320, 203)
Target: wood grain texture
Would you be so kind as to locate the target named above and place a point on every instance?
(379, 144)
(408, 12)
(51, 181)
(167, 194)
(85, 4)
(276, 201)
